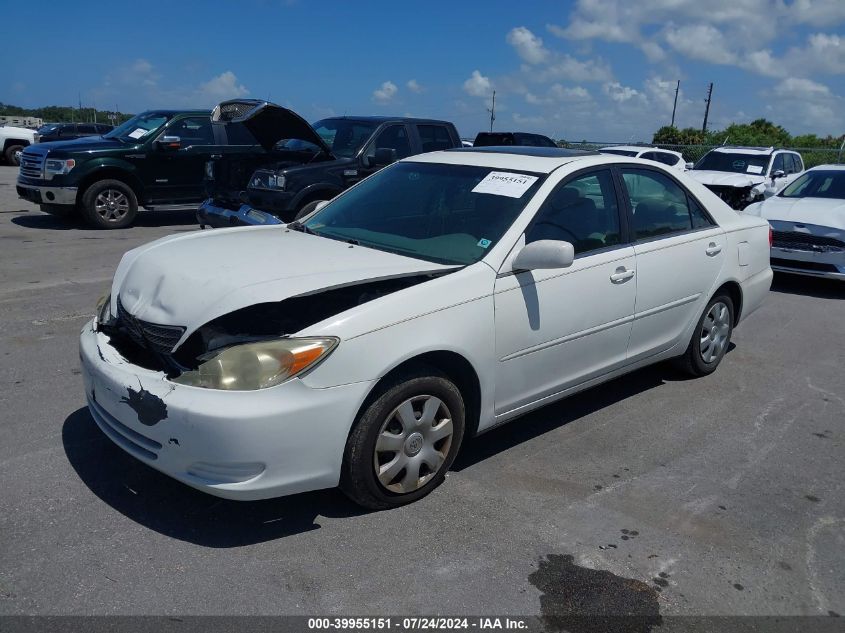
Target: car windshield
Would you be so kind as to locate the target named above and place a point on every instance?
(345, 137)
(46, 128)
(139, 127)
(817, 184)
(448, 214)
(618, 152)
(734, 162)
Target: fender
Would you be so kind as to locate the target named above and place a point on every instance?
(329, 189)
(90, 169)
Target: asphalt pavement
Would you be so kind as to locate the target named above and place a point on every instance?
(652, 493)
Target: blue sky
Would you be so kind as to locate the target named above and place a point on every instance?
(588, 69)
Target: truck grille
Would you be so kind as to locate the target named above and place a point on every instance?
(157, 338)
(32, 164)
(805, 241)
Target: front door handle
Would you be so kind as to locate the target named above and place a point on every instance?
(621, 275)
(713, 249)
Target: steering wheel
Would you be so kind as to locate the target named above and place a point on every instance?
(561, 227)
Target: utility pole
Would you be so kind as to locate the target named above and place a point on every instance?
(675, 107)
(492, 111)
(707, 109)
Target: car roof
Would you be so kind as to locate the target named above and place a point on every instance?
(534, 159)
(830, 167)
(383, 119)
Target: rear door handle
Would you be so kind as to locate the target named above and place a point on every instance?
(621, 275)
(713, 249)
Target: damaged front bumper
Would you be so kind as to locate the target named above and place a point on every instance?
(235, 444)
(214, 215)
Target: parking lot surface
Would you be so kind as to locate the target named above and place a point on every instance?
(721, 495)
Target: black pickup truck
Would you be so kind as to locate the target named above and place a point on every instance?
(305, 164)
(156, 160)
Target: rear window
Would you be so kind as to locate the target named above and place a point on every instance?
(434, 137)
(487, 139)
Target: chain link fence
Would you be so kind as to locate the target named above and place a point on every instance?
(812, 155)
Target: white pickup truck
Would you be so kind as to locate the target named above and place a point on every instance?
(12, 141)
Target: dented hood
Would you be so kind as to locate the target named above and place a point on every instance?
(267, 122)
(821, 212)
(726, 179)
(188, 280)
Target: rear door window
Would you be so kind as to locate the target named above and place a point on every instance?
(392, 137)
(434, 137)
(68, 130)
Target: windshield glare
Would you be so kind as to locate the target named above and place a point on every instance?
(734, 163)
(344, 136)
(424, 210)
(139, 127)
(817, 184)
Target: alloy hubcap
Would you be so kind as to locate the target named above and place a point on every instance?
(413, 443)
(714, 332)
(112, 204)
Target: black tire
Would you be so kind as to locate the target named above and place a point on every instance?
(697, 363)
(60, 211)
(305, 209)
(11, 154)
(358, 476)
(126, 207)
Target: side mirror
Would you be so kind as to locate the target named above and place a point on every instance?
(170, 142)
(384, 156)
(689, 165)
(778, 173)
(544, 254)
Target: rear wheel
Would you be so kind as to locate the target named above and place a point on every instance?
(404, 442)
(13, 154)
(711, 337)
(109, 204)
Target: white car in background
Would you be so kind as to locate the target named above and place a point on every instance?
(742, 175)
(440, 297)
(665, 156)
(12, 142)
(808, 223)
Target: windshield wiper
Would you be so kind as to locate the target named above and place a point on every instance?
(296, 225)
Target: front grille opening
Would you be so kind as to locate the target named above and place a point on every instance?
(794, 239)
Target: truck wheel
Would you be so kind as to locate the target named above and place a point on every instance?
(109, 204)
(13, 154)
(307, 209)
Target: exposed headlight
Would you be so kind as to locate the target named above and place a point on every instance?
(59, 166)
(209, 170)
(258, 365)
(276, 181)
(263, 180)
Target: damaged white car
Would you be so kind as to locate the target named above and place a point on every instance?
(742, 175)
(808, 223)
(442, 296)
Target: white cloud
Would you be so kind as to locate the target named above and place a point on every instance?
(385, 93)
(562, 93)
(478, 85)
(572, 69)
(619, 93)
(414, 86)
(800, 88)
(527, 45)
(804, 105)
(701, 41)
(223, 86)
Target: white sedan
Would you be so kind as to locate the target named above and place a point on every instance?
(808, 222)
(440, 297)
(665, 156)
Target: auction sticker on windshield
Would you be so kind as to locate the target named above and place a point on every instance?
(138, 132)
(754, 169)
(502, 183)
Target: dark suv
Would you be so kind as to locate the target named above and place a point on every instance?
(304, 164)
(70, 131)
(155, 160)
(487, 139)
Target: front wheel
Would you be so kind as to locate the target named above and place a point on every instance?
(13, 155)
(404, 442)
(109, 204)
(711, 337)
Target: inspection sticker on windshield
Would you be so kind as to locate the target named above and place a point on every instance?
(502, 183)
(138, 132)
(754, 169)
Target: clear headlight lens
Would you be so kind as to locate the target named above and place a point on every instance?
(276, 181)
(258, 365)
(58, 166)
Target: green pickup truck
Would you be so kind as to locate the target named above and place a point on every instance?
(156, 160)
